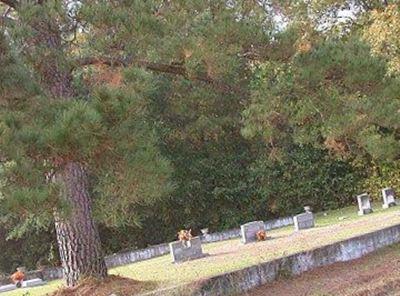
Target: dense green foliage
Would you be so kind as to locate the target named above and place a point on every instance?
(221, 114)
(306, 176)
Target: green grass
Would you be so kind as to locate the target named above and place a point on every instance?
(231, 255)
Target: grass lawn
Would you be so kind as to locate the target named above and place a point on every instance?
(231, 255)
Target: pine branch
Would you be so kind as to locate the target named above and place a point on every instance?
(156, 67)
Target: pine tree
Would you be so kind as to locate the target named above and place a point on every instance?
(57, 140)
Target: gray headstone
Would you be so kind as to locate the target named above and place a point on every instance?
(249, 231)
(184, 251)
(33, 283)
(389, 198)
(364, 204)
(303, 221)
(7, 288)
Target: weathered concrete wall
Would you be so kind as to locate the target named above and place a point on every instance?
(47, 274)
(137, 255)
(278, 223)
(246, 279)
(221, 236)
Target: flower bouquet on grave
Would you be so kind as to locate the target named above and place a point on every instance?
(18, 277)
(185, 236)
(261, 235)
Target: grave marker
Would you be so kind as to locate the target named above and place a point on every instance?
(389, 198)
(303, 221)
(364, 204)
(249, 231)
(186, 250)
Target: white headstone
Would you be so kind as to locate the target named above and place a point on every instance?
(33, 283)
(303, 221)
(7, 288)
(249, 231)
(364, 204)
(389, 198)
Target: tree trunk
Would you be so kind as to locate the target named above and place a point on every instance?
(77, 235)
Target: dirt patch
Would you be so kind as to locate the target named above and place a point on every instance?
(111, 285)
(391, 287)
(377, 274)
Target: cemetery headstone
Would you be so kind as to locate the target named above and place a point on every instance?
(186, 250)
(364, 204)
(389, 198)
(303, 221)
(249, 231)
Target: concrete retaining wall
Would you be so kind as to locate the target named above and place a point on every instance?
(221, 236)
(246, 279)
(137, 255)
(278, 223)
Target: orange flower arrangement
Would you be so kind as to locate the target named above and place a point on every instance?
(261, 235)
(185, 235)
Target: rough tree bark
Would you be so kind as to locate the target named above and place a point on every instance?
(77, 235)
